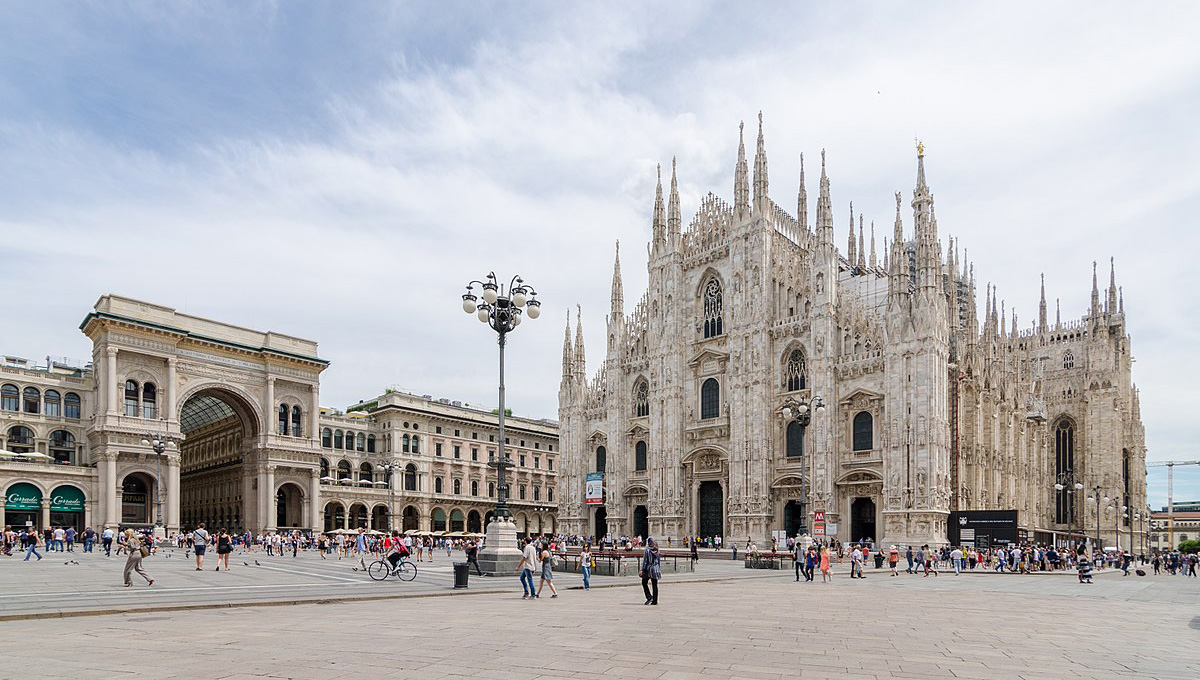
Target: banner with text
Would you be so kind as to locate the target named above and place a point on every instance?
(595, 488)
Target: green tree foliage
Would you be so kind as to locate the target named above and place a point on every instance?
(1191, 546)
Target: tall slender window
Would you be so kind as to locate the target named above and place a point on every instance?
(20, 439)
(325, 466)
(641, 399)
(1068, 359)
(71, 405)
(370, 443)
(793, 371)
(416, 444)
(360, 443)
(713, 323)
(149, 401)
(33, 400)
(404, 444)
(53, 403)
(131, 398)
(337, 439)
(601, 458)
(864, 434)
(710, 399)
(410, 477)
(10, 398)
(639, 456)
(327, 438)
(795, 440)
(282, 424)
(295, 421)
(1064, 461)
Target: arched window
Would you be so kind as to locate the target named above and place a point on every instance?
(439, 519)
(710, 399)
(437, 484)
(537, 493)
(457, 487)
(33, 400)
(713, 324)
(474, 488)
(10, 398)
(404, 444)
(641, 399)
(360, 443)
(131, 398)
(601, 458)
(864, 434)
(793, 371)
(416, 444)
(365, 472)
(327, 438)
(282, 425)
(344, 471)
(549, 494)
(20, 439)
(62, 447)
(795, 440)
(639, 456)
(149, 401)
(53, 403)
(337, 439)
(370, 443)
(410, 477)
(296, 421)
(1068, 359)
(1064, 461)
(71, 406)
(325, 466)
(491, 489)
(521, 491)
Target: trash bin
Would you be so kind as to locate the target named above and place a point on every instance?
(461, 572)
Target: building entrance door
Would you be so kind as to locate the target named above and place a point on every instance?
(862, 520)
(641, 522)
(712, 510)
(793, 519)
(601, 523)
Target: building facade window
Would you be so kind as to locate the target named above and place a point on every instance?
(33, 400)
(131, 398)
(549, 494)
(72, 406)
(296, 421)
(410, 477)
(1064, 460)
(795, 440)
(370, 443)
(601, 458)
(327, 438)
(641, 399)
(793, 371)
(416, 444)
(53, 403)
(437, 484)
(360, 442)
(710, 399)
(281, 425)
(639, 456)
(20, 439)
(863, 431)
(491, 489)
(337, 439)
(324, 467)
(1068, 359)
(10, 398)
(713, 322)
(149, 401)
(474, 488)
(457, 487)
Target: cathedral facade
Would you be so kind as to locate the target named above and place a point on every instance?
(695, 423)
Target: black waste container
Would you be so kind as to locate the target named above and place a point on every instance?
(461, 571)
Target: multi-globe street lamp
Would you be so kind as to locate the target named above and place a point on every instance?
(159, 447)
(801, 411)
(1095, 497)
(1065, 481)
(389, 468)
(502, 310)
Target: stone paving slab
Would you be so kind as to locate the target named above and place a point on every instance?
(878, 628)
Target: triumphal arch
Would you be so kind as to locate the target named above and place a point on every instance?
(239, 408)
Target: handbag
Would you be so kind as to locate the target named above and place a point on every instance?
(145, 551)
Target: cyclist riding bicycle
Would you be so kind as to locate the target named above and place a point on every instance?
(394, 545)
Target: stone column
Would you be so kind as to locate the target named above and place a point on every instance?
(109, 492)
(315, 519)
(267, 491)
(315, 414)
(45, 514)
(272, 408)
(174, 500)
(110, 374)
(172, 386)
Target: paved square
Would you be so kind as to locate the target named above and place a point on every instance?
(766, 626)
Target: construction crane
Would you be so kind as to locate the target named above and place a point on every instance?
(1170, 465)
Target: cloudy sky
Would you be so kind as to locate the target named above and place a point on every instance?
(338, 170)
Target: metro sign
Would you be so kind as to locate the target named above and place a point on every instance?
(818, 515)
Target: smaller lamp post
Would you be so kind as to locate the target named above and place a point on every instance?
(1065, 481)
(159, 447)
(800, 411)
(389, 468)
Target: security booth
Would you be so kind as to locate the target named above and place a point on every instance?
(23, 506)
(66, 507)
(983, 528)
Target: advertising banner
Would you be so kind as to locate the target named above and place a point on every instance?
(594, 492)
(66, 498)
(23, 496)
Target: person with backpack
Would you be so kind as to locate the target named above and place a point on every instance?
(651, 571)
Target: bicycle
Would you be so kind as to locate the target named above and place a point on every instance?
(381, 569)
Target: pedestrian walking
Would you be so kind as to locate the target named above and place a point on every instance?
(32, 540)
(893, 559)
(106, 539)
(651, 571)
(585, 565)
(360, 547)
(798, 559)
(826, 577)
(547, 561)
(200, 545)
(528, 559)
(224, 547)
(134, 562)
(472, 551)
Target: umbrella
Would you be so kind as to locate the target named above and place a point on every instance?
(455, 534)
(346, 480)
(380, 483)
(327, 478)
(376, 532)
(12, 454)
(365, 481)
(412, 532)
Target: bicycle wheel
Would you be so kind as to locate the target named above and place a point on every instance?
(378, 570)
(408, 571)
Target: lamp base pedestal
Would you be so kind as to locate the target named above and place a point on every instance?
(500, 555)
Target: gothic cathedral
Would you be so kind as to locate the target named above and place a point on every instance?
(702, 420)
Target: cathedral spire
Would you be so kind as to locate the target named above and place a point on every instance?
(761, 200)
(1112, 286)
(617, 313)
(862, 251)
(1003, 321)
(580, 354)
(674, 220)
(660, 216)
(824, 208)
(802, 199)
(741, 183)
(1057, 313)
(567, 358)
(851, 251)
(1095, 296)
(874, 262)
(1042, 307)
(1121, 302)
(898, 276)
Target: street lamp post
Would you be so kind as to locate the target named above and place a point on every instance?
(1065, 481)
(159, 446)
(502, 311)
(801, 411)
(1096, 497)
(389, 468)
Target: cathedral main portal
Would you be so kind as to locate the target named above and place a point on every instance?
(712, 510)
